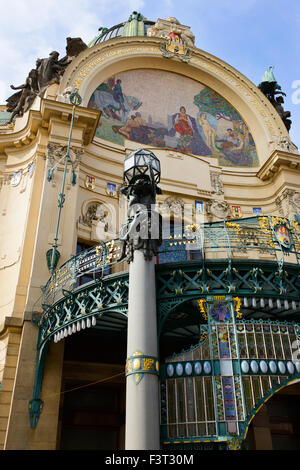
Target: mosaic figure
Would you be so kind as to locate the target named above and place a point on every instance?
(166, 110)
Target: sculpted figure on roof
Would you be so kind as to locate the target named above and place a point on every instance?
(163, 29)
(48, 70)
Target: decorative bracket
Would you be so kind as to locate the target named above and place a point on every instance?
(35, 408)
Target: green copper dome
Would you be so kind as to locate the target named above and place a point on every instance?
(136, 25)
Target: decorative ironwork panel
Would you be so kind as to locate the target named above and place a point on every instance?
(213, 392)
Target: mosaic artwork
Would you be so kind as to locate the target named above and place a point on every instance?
(163, 109)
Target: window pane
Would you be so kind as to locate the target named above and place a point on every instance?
(224, 348)
(190, 399)
(200, 399)
(269, 346)
(286, 346)
(171, 401)
(277, 345)
(256, 388)
(265, 384)
(209, 399)
(242, 345)
(251, 345)
(202, 429)
(172, 431)
(180, 405)
(248, 394)
(260, 345)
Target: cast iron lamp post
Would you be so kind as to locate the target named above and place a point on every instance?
(53, 254)
(141, 235)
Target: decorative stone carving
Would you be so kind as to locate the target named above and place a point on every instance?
(219, 209)
(89, 215)
(57, 152)
(48, 70)
(64, 97)
(296, 200)
(176, 37)
(285, 144)
(184, 57)
(216, 183)
(98, 217)
(287, 202)
(163, 28)
(172, 205)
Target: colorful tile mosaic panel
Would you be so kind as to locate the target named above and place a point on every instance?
(163, 109)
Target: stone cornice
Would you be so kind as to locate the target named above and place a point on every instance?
(24, 136)
(85, 118)
(276, 161)
(11, 325)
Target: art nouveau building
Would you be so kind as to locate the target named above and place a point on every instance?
(226, 274)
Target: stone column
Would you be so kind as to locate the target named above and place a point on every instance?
(142, 383)
(141, 237)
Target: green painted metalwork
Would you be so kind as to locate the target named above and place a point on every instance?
(284, 383)
(75, 100)
(189, 366)
(212, 270)
(109, 294)
(140, 364)
(135, 26)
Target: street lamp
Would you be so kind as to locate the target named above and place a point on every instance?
(141, 164)
(53, 255)
(141, 241)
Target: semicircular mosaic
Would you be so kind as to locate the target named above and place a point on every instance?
(164, 109)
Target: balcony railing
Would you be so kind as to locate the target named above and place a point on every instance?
(273, 238)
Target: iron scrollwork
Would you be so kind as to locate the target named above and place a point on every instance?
(142, 229)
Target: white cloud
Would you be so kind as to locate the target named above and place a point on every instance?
(33, 29)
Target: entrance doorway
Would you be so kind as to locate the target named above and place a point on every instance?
(277, 425)
(92, 407)
(93, 418)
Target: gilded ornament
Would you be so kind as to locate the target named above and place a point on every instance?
(238, 304)
(234, 443)
(88, 68)
(136, 364)
(202, 306)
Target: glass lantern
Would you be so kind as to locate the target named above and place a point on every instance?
(139, 164)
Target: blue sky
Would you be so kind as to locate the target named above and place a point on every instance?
(251, 35)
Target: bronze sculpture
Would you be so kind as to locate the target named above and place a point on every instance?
(48, 70)
(271, 89)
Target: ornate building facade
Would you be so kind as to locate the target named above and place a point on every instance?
(226, 271)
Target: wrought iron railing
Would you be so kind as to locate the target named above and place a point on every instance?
(274, 238)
